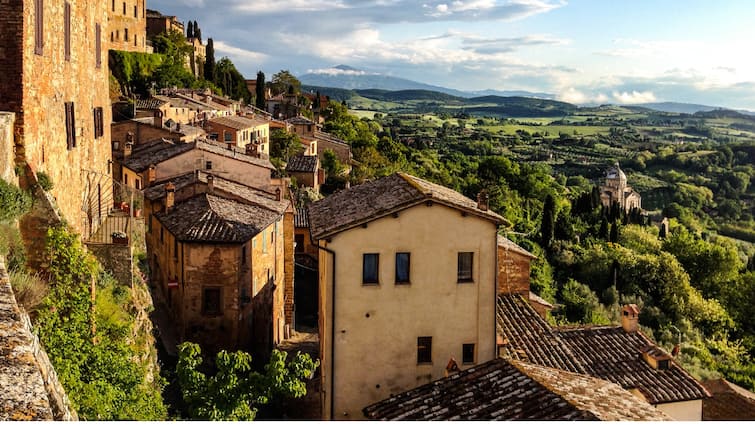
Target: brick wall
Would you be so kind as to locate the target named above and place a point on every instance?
(11, 55)
(513, 272)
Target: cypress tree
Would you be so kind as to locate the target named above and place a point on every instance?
(614, 232)
(190, 30)
(209, 65)
(603, 232)
(549, 219)
(197, 32)
(259, 91)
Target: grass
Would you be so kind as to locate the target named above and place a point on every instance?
(30, 289)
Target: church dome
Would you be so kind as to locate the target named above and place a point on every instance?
(615, 173)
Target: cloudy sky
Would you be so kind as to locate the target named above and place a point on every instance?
(695, 51)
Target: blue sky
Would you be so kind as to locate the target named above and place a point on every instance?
(581, 51)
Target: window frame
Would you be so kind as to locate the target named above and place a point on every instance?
(99, 122)
(462, 276)
(39, 27)
(424, 350)
(67, 31)
(98, 45)
(396, 277)
(218, 311)
(464, 353)
(369, 280)
(70, 108)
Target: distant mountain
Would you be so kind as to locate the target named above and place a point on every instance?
(346, 77)
(677, 107)
(513, 93)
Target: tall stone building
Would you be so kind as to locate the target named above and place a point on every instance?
(616, 190)
(54, 77)
(127, 25)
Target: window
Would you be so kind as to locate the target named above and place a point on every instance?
(402, 267)
(299, 239)
(70, 126)
(227, 137)
(370, 268)
(113, 5)
(39, 27)
(125, 179)
(98, 45)
(138, 183)
(464, 273)
(124, 7)
(467, 353)
(425, 349)
(211, 301)
(264, 242)
(125, 34)
(67, 30)
(99, 127)
(136, 13)
(208, 165)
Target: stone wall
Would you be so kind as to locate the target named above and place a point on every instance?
(11, 52)
(513, 272)
(7, 156)
(116, 259)
(133, 20)
(29, 386)
(35, 223)
(288, 270)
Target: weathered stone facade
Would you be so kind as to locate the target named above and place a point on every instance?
(7, 156)
(127, 25)
(114, 258)
(29, 386)
(44, 68)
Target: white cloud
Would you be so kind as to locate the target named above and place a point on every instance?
(338, 71)
(291, 6)
(633, 97)
(237, 52)
(572, 95)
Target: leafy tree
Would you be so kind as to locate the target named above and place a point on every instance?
(230, 80)
(209, 64)
(581, 305)
(259, 89)
(236, 392)
(547, 224)
(283, 81)
(173, 46)
(284, 145)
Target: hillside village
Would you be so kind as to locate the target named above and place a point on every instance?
(216, 213)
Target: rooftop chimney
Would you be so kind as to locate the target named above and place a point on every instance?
(170, 196)
(127, 148)
(151, 174)
(630, 315)
(210, 184)
(482, 200)
(278, 194)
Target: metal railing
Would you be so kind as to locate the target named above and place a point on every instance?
(109, 209)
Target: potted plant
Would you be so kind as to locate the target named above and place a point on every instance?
(119, 238)
(137, 208)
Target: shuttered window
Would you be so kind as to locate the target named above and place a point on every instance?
(99, 126)
(98, 45)
(67, 30)
(70, 126)
(39, 21)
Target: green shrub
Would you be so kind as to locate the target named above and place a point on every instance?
(14, 202)
(44, 180)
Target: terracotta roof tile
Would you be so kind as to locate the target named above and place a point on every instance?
(210, 218)
(237, 122)
(611, 353)
(301, 220)
(302, 164)
(527, 336)
(151, 103)
(730, 402)
(377, 198)
(145, 155)
(509, 390)
(511, 246)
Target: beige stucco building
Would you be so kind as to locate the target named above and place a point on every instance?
(242, 132)
(407, 282)
(616, 190)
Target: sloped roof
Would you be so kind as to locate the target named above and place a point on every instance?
(611, 353)
(233, 152)
(528, 337)
(730, 402)
(237, 122)
(301, 220)
(509, 390)
(507, 244)
(321, 135)
(300, 121)
(302, 164)
(150, 103)
(144, 155)
(212, 219)
(222, 186)
(369, 201)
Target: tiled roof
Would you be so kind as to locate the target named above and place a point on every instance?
(729, 402)
(321, 135)
(206, 103)
(528, 337)
(151, 103)
(302, 164)
(368, 201)
(210, 218)
(301, 220)
(236, 122)
(177, 102)
(300, 121)
(509, 390)
(143, 156)
(234, 152)
(221, 186)
(511, 246)
(611, 353)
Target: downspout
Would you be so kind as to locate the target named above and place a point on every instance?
(332, 330)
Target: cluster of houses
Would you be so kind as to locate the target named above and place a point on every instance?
(423, 309)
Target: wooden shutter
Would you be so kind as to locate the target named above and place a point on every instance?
(98, 123)
(67, 30)
(98, 45)
(39, 15)
(70, 126)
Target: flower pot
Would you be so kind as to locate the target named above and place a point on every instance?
(120, 240)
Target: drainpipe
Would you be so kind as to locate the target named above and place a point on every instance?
(332, 330)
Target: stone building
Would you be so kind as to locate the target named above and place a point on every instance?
(242, 132)
(217, 250)
(616, 190)
(514, 274)
(196, 58)
(54, 77)
(407, 281)
(306, 170)
(157, 23)
(127, 25)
